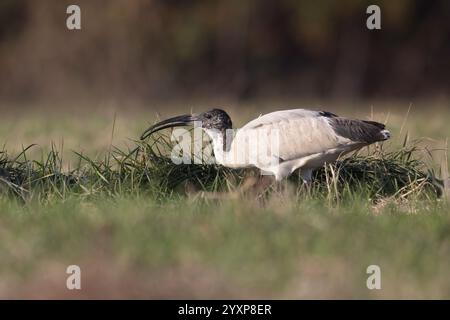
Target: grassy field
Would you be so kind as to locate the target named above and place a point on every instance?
(140, 227)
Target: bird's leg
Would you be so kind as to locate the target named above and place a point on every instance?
(281, 187)
(306, 175)
(307, 185)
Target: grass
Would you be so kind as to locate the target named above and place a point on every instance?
(140, 226)
(133, 247)
(148, 168)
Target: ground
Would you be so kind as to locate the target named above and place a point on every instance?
(142, 244)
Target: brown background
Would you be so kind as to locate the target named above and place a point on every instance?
(148, 51)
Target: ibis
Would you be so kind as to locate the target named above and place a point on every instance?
(289, 139)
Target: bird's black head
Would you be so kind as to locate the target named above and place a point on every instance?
(215, 119)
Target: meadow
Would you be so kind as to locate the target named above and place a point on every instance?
(78, 188)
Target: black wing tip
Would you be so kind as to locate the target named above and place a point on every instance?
(376, 124)
(360, 130)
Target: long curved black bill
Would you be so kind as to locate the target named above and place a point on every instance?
(179, 121)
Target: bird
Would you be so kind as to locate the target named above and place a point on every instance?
(280, 142)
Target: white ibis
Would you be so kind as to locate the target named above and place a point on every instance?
(305, 139)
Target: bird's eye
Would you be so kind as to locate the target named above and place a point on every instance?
(208, 116)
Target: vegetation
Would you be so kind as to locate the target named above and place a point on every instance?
(148, 169)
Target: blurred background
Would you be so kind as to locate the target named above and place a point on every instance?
(169, 50)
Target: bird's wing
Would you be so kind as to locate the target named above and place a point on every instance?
(283, 115)
(301, 133)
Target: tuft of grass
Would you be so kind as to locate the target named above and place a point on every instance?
(381, 174)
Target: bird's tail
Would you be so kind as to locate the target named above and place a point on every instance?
(384, 134)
